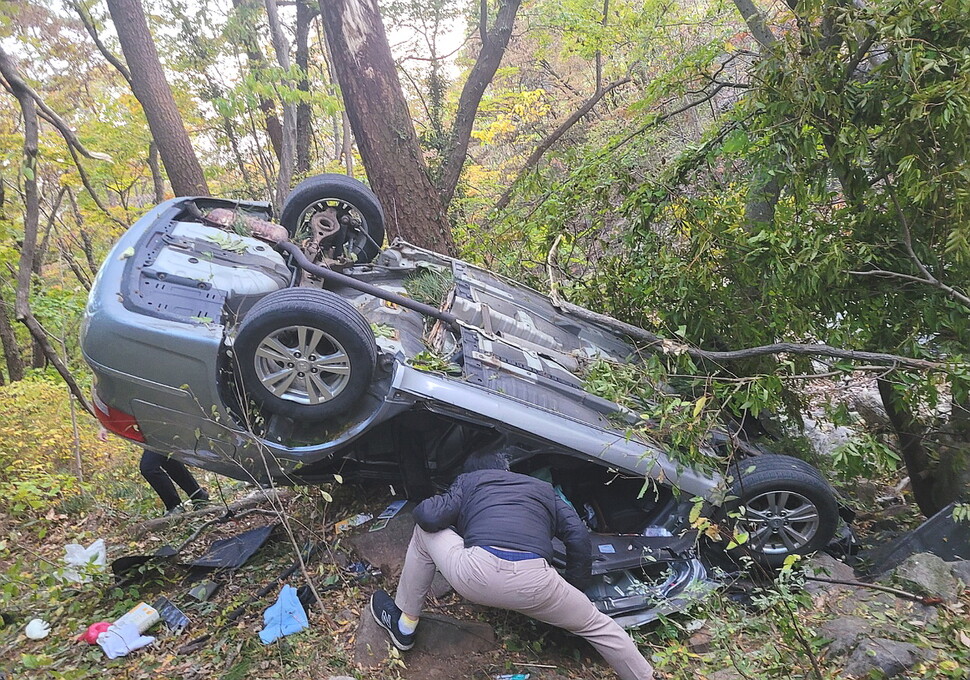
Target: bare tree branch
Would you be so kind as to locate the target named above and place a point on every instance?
(15, 82)
(89, 26)
(553, 137)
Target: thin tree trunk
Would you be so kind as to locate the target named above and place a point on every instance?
(553, 137)
(382, 124)
(909, 434)
(304, 17)
(288, 150)
(31, 223)
(153, 92)
(257, 62)
(494, 42)
(11, 350)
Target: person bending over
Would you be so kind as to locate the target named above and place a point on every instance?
(499, 554)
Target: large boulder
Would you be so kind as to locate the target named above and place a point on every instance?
(926, 574)
(888, 657)
(845, 632)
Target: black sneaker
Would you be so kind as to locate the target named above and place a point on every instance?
(200, 499)
(387, 615)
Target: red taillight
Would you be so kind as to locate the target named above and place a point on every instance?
(119, 422)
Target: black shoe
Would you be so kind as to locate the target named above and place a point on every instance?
(387, 615)
(200, 498)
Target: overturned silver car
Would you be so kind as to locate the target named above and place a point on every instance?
(288, 360)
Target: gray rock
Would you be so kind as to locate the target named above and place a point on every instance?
(387, 547)
(825, 566)
(889, 657)
(437, 636)
(961, 571)
(845, 633)
(927, 574)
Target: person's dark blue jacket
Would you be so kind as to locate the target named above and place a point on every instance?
(510, 510)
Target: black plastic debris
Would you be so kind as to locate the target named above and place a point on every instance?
(940, 535)
(235, 551)
(170, 614)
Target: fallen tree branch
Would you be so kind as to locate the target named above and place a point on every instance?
(922, 599)
(654, 342)
(253, 500)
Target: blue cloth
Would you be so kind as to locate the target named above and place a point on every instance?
(284, 617)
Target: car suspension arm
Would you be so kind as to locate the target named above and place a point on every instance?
(333, 277)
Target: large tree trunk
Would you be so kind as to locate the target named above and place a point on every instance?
(909, 433)
(382, 124)
(153, 92)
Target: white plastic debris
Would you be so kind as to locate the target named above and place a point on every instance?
(37, 629)
(81, 562)
(119, 640)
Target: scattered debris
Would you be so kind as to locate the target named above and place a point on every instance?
(173, 617)
(284, 617)
(351, 522)
(93, 631)
(122, 639)
(37, 629)
(81, 561)
(245, 224)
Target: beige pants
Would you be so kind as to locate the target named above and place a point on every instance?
(531, 587)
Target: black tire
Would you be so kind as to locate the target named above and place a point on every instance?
(313, 330)
(784, 506)
(351, 198)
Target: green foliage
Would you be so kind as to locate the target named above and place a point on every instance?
(865, 456)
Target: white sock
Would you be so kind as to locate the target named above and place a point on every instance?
(406, 624)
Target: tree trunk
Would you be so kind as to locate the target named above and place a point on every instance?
(31, 224)
(304, 17)
(11, 350)
(494, 42)
(158, 181)
(153, 92)
(257, 63)
(382, 125)
(911, 445)
(287, 155)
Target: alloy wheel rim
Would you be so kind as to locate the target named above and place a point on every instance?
(779, 522)
(302, 364)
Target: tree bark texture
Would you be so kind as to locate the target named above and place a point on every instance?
(153, 92)
(304, 17)
(909, 433)
(11, 350)
(158, 181)
(382, 124)
(287, 155)
(494, 41)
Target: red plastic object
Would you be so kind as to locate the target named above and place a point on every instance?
(94, 630)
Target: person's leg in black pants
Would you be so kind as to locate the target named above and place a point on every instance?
(161, 471)
(151, 469)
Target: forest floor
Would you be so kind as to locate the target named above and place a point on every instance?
(769, 630)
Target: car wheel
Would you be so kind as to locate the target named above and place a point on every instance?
(305, 354)
(341, 207)
(783, 505)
